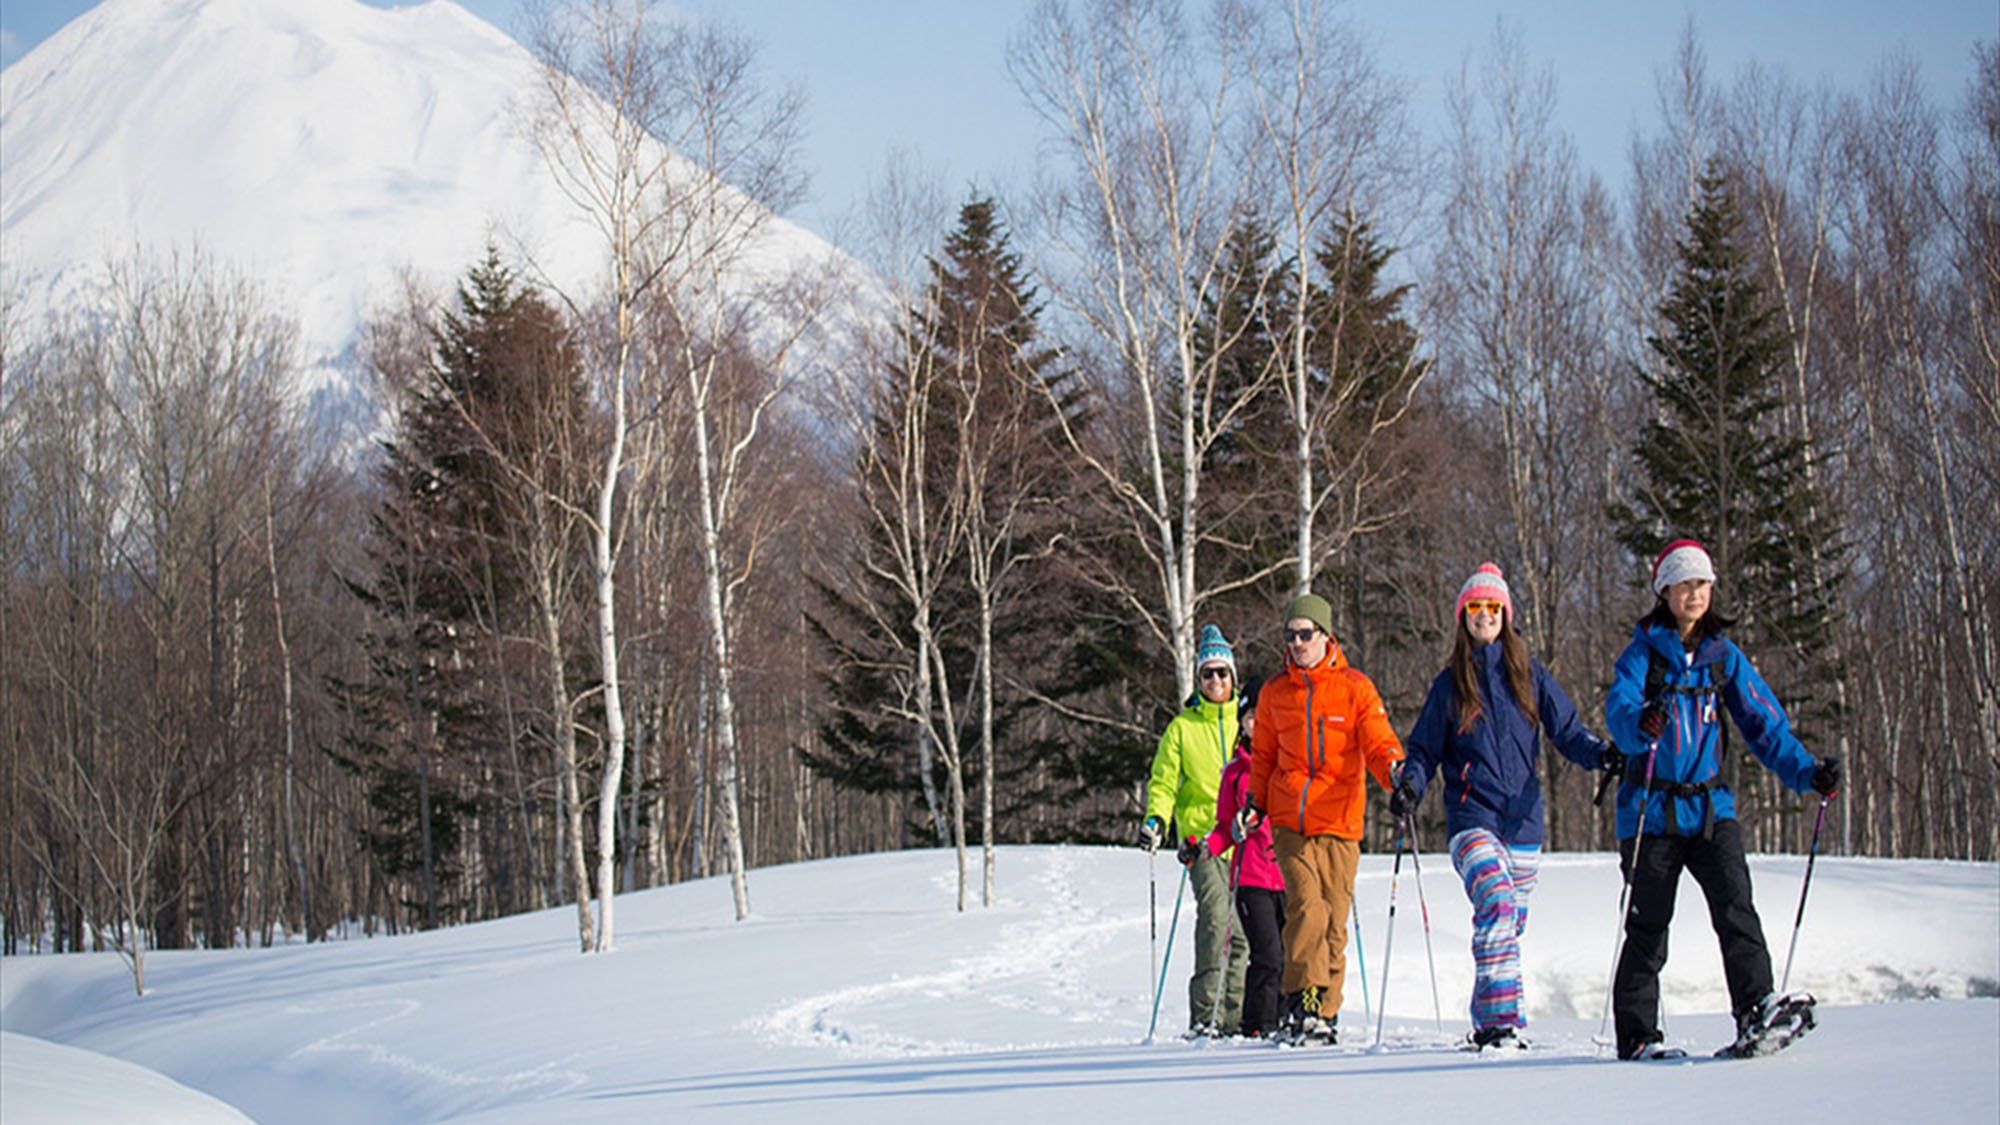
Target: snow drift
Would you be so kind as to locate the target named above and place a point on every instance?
(859, 994)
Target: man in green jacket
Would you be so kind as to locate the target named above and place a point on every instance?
(1187, 774)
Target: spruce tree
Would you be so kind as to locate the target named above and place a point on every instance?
(1365, 362)
(1247, 475)
(1715, 464)
(1361, 357)
(498, 388)
(978, 306)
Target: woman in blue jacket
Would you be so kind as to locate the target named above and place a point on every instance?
(1481, 725)
(1674, 812)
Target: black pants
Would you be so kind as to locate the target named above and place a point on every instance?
(1261, 913)
(1718, 866)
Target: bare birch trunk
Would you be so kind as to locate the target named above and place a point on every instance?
(714, 598)
(953, 751)
(293, 848)
(925, 758)
(567, 767)
(607, 647)
(987, 858)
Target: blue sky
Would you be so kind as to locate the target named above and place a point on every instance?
(928, 77)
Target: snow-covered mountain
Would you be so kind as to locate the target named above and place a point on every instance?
(321, 147)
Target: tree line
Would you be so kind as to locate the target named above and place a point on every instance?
(694, 574)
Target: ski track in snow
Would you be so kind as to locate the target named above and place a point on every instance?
(1043, 955)
(554, 1076)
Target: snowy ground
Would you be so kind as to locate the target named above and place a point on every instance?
(855, 993)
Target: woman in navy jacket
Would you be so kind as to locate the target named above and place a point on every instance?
(1663, 711)
(1481, 725)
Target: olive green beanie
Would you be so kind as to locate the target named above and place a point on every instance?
(1313, 608)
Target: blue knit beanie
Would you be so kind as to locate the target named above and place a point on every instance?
(1214, 649)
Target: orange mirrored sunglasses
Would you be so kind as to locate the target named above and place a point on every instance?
(1493, 608)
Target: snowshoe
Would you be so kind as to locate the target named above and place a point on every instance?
(1654, 1051)
(1498, 1039)
(1303, 1023)
(1313, 1031)
(1771, 1026)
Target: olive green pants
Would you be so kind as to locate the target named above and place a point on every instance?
(1221, 952)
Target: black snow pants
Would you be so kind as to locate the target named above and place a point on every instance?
(1718, 866)
(1261, 913)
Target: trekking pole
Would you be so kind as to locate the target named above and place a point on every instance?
(1417, 871)
(1625, 897)
(1173, 925)
(1153, 908)
(1389, 939)
(1361, 962)
(1812, 853)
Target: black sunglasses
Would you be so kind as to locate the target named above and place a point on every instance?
(1214, 672)
(1295, 636)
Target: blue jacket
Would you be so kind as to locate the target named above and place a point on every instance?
(1690, 750)
(1490, 778)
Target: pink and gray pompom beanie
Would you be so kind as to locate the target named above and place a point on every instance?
(1486, 584)
(1683, 559)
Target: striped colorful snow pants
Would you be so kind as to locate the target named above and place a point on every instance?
(1498, 878)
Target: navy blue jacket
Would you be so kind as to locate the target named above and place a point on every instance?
(1490, 775)
(1690, 749)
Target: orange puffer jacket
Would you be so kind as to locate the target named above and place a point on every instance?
(1317, 728)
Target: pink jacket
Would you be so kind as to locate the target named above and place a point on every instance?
(1258, 864)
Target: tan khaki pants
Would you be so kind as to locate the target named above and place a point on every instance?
(1319, 889)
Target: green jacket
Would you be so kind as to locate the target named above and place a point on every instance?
(1187, 768)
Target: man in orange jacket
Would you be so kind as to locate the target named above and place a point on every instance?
(1320, 725)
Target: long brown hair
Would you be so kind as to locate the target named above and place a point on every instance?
(1520, 674)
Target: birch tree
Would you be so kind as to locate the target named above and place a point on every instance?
(1520, 319)
(1007, 465)
(664, 138)
(1149, 142)
(913, 496)
(1972, 207)
(1327, 126)
(1925, 436)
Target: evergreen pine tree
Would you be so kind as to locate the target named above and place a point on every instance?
(444, 583)
(980, 306)
(1247, 475)
(1364, 358)
(1361, 355)
(1715, 465)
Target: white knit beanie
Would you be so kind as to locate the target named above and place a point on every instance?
(1683, 559)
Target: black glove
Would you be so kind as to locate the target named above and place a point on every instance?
(1612, 763)
(1402, 799)
(1191, 850)
(1246, 821)
(1826, 777)
(1653, 719)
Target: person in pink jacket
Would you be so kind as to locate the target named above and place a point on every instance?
(1260, 888)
